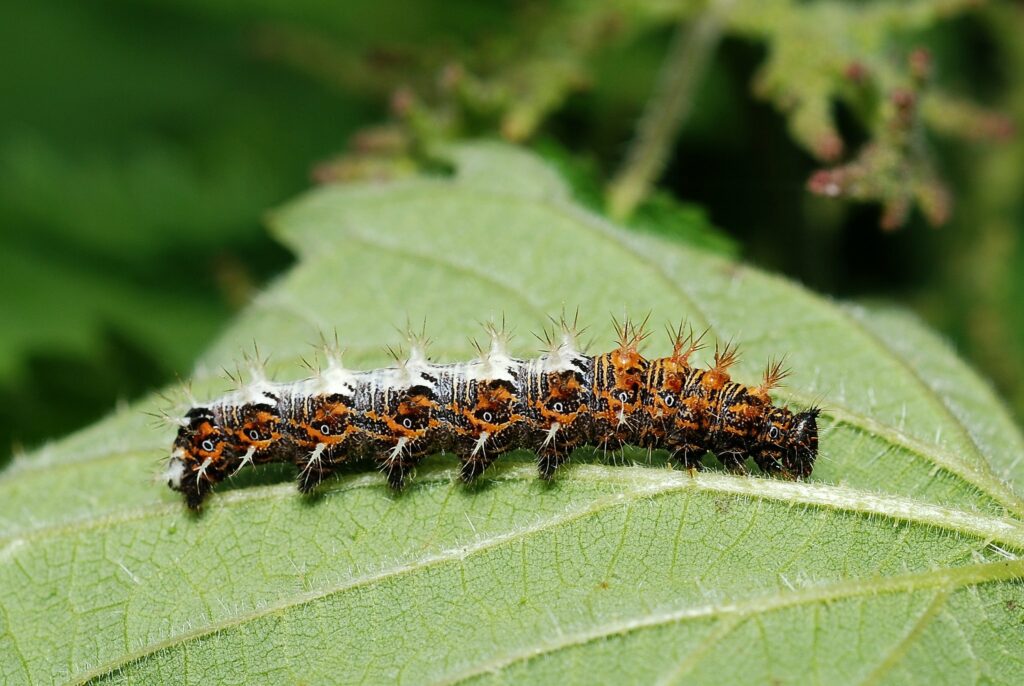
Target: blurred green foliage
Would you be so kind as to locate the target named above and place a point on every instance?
(139, 146)
(141, 142)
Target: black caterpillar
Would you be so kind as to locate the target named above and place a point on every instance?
(491, 405)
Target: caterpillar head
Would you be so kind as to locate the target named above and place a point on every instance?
(201, 448)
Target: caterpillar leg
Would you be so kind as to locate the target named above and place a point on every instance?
(311, 476)
(735, 462)
(474, 465)
(769, 462)
(476, 454)
(548, 462)
(396, 472)
(195, 495)
(195, 485)
(688, 457)
(313, 469)
(398, 463)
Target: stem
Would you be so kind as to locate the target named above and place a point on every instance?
(688, 56)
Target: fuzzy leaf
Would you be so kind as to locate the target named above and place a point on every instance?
(897, 560)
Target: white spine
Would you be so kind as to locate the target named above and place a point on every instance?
(562, 356)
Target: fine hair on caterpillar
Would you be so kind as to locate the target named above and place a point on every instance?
(478, 410)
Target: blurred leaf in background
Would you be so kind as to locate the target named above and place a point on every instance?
(139, 146)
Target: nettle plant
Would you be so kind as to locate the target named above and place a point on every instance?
(869, 59)
(896, 559)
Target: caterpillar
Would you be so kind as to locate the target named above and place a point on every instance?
(562, 400)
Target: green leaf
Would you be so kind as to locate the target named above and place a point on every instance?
(897, 560)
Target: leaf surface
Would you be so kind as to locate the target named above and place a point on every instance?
(898, 559)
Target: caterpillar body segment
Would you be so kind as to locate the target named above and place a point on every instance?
(482, 409)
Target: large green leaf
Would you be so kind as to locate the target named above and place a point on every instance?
(897, 560)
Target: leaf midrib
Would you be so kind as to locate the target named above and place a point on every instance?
(650, 481)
